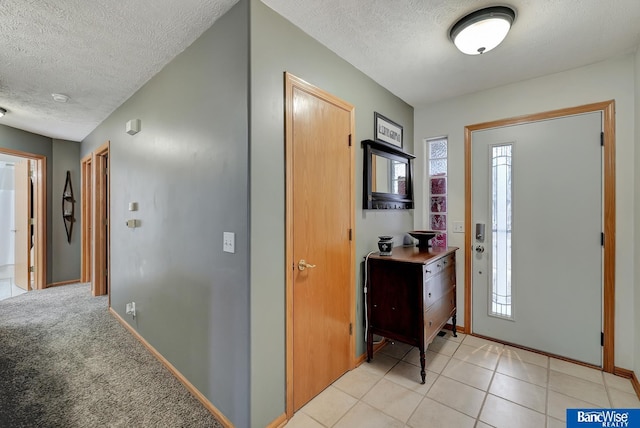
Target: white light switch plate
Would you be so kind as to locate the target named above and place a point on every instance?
(458, 227)
(229, 242)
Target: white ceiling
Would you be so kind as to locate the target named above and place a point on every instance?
(100, 52)
(96, 52)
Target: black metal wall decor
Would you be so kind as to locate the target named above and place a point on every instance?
(68, 207)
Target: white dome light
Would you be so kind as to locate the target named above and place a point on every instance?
(482, 30)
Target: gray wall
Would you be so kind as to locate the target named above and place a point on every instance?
(278, 46)
(636, 181)
(187, 169)
(65, 255)
(15, 139)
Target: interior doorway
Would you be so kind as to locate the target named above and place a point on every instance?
(320, 257)
(95, 220)
(22, 222)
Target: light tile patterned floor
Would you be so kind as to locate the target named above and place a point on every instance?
(471, 382)
(8, 287)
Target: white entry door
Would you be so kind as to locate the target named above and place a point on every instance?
(537, 261)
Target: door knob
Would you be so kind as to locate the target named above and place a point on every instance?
(302, 265)
(480, 249)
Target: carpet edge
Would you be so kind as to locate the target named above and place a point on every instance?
(175, 372)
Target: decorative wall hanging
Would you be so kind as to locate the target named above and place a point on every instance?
(68, 207)
(386, 130)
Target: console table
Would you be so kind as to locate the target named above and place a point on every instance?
(410, 296)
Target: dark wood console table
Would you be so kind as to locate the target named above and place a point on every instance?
(410, 296)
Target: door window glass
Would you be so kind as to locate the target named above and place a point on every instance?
(501, 214)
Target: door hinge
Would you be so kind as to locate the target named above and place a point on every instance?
(32, 221)
(350, 329)
(349, 140)
(601, 338)
(32, 269)
(106, 272)
(602, 239)
(350, 234)
(602, 139)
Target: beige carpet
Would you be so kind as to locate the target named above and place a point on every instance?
(66, 362)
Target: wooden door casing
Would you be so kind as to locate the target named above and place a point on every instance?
(22, 224)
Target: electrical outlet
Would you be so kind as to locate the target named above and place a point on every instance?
(131, 309)
(458, 227)
(229, 242)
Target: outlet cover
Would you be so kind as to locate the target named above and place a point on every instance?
(458, 227)
(229, 242)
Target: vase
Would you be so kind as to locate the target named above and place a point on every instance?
(385, 245)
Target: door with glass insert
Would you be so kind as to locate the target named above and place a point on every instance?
(537, 223)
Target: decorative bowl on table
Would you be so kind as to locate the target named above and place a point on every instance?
(423, 237)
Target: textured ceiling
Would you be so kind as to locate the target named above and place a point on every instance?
(100, 52)
(96, 52)
(404, 46)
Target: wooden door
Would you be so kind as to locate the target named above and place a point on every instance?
(320, 256)
(87, 216)
(100, 211)
(22, 224)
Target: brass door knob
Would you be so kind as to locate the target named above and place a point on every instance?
(302, 265)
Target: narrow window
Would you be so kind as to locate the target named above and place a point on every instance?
(501, 214)
(437, 197)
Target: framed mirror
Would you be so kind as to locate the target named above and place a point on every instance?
(387, 177)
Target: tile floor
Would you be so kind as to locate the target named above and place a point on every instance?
(471, 382)
(8, 287)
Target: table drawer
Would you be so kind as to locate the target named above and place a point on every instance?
(436, 286)
(438, 314)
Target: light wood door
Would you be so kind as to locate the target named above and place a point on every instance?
(22, 224)
(320, 257)
(100, 211)
(87, 216)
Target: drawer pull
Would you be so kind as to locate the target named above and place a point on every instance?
(428, 271)
(430, 323)
(429, 295)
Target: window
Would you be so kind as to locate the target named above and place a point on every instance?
(501, 214)
(438, 190)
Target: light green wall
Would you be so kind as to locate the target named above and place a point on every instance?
(65, 255)
(612, 79)
(278, 46)
(15, 139)
(187, 169)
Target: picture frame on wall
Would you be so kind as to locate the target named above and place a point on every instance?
(387, 131)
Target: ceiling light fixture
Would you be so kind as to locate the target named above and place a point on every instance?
(60, 98)
(482, 30)
(3, 111)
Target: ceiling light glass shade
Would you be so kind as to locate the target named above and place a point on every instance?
(482, 30)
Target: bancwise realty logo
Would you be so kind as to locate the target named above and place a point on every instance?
(619, 418)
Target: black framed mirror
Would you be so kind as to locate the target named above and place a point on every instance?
(387, 177)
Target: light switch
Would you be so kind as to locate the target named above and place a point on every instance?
(229, 242)
(458, 227)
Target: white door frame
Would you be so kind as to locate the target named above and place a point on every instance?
(609, 214)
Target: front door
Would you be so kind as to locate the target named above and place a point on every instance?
(536, 225)
(22, 224)
(320, 250)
